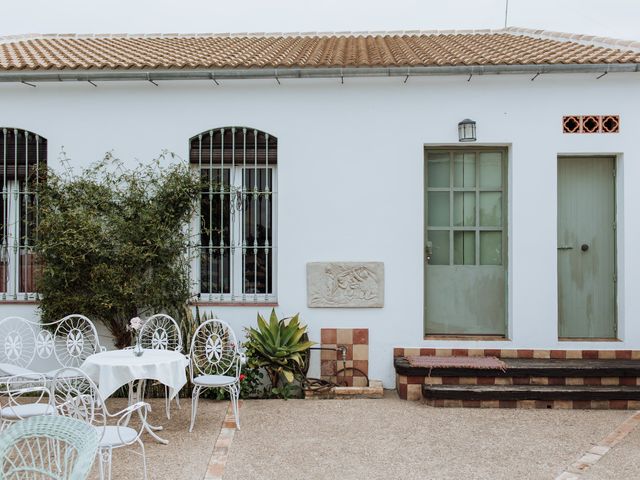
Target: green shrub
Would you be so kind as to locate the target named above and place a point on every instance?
(113, 242)
(279, 347)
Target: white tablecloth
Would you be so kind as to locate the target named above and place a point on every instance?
(115, 368)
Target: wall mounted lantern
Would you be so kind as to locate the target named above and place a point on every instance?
(467, 130)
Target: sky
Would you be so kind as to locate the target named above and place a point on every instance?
(611, 18)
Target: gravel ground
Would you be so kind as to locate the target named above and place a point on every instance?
(394, 439)
(622, 462)
(187, 455)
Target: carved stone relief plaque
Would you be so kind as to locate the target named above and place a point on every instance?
(345, 284)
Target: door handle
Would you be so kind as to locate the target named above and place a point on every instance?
(565, 247)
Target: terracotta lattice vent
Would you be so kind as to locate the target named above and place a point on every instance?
(591, 124)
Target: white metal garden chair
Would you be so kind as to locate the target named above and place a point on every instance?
(75, 395)
(161, 332)
(28, 346)
(214, 362)
(24, 396)
(50, 447)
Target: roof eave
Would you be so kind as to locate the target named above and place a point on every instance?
(99, 75)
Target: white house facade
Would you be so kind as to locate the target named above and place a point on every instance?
(374, 214)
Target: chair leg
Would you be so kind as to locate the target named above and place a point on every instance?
(234, 394)
(144, 460)
(178, 400)
(100, 464)
(194, 406)
(105, 463)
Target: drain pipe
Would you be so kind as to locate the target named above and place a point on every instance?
(215, 75)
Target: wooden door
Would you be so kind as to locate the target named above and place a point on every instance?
(586, 247)
(465, 242)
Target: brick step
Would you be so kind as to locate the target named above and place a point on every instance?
(530, 392)
(535, 380)
(525, 367)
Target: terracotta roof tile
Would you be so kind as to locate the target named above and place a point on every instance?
(507, 47)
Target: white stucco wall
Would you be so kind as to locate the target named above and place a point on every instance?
(350, 178)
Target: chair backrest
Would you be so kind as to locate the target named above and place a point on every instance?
(214, 349)
(76, 338)
(34, 345)
(48, 447)
(75, 395)
(161, 332)
(20, 391)
(17, 341)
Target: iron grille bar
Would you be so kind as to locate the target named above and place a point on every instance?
(243, 271)
(255, 216)
(221, 196)
(16, 203)
(267, 184)
(5, 216)
(242, 203)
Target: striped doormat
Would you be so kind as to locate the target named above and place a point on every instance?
(481, 363)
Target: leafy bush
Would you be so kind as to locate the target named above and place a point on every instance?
(113, 242)
(279, 347)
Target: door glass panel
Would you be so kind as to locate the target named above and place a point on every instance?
(490, 170)
(464, 170)
(490, 209)
(464, 248)
(438, 209)
(438, 170)
(490, 248)
(464, 209)
(439, 247)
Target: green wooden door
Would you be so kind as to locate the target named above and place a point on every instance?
(586, 248)
(465, 242)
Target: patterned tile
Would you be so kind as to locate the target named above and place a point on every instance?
(355, 341)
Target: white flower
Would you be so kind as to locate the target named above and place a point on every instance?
(135, 323)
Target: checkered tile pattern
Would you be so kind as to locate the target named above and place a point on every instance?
(356, 341)
(520, 353)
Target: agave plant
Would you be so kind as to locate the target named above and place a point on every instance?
(278, 346)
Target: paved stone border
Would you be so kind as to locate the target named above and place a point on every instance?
(220, 454)
(595, 453)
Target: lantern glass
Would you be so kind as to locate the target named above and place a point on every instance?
(467, 130)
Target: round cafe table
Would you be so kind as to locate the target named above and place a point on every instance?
(113, 369)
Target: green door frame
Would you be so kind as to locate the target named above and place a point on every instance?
(614, 180)
(505, 232)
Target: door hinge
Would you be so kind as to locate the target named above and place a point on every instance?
(614, 172)
(615, 225)
(615, 278)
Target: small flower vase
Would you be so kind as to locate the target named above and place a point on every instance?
(137, 349)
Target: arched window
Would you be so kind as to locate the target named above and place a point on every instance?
(22, 154)
(237, 220)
